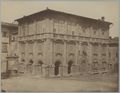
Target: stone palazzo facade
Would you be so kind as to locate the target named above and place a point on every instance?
(54, 43)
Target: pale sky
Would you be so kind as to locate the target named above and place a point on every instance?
(11, 10)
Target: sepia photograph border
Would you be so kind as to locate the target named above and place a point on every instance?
(58, 1)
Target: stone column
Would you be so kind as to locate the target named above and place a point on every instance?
(65, 59)
(26, 57)
(34, 56)
(90, 57)
(19, 52)
(47, 52)
(19, 59)
(99, 56)
(107, 56)
(76, 58)
(80, 57)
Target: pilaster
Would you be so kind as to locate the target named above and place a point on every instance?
(47, 52)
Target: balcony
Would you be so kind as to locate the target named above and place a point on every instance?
(59, 36)
(25, 38)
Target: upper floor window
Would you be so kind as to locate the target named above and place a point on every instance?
(4, 34)
(61, 22)
(116, 54)
(23, 60)
(109, 54)
(72, 33)
(95, 54)
(56, 21)
(54, 30)
(79, 52)
(94, 32)
(103, 32)
(104, 54)
(4, 48)
(95, 65)
(84, 30)
(84, 53)
(104, 65)
(43, 30)
(13, 38)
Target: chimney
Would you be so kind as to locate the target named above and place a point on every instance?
(103, 18)
(47, 8)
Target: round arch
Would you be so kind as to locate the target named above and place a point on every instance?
(70, 63)
(40, 62)
(57, 65)
(31, 61)
(84, 65)
(29, 66)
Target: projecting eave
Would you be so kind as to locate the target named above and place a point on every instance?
(49, 12)
(9, 24)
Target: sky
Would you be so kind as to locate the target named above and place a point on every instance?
(12, 10)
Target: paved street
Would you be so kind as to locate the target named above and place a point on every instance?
(56, 84)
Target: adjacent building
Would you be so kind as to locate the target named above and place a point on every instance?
(9, 33)
(113, 54)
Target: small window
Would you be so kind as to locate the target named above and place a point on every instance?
(109, 55)
(104, 65)
(31, 61)
(79, 52)
(30, 53)
(54, 30)
(43, 30)
(23, 60)
(40, 63)
(84, 30)
(56, 21)
(61, 22)
(116, 54)
(103, 54)
(94, 32)
(95, 65)
(95, 54)
(84, 53)
(40, 54)
(13, 38)
(103, 32)
(4, 48)
(72, 33)
(4, 34)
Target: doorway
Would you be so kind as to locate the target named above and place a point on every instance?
(69, 66)
(29, 66)
(57, 65)
(39, 66)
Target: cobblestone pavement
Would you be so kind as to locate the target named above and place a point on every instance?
(32, 84)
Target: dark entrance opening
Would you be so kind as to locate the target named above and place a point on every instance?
(39, 66)
(40, 63)
(31, 62)
(29, 66)
(69, 66)
(83, 66)
(57, 65)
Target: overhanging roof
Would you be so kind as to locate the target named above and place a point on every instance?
(9, 24)
(49, 11)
